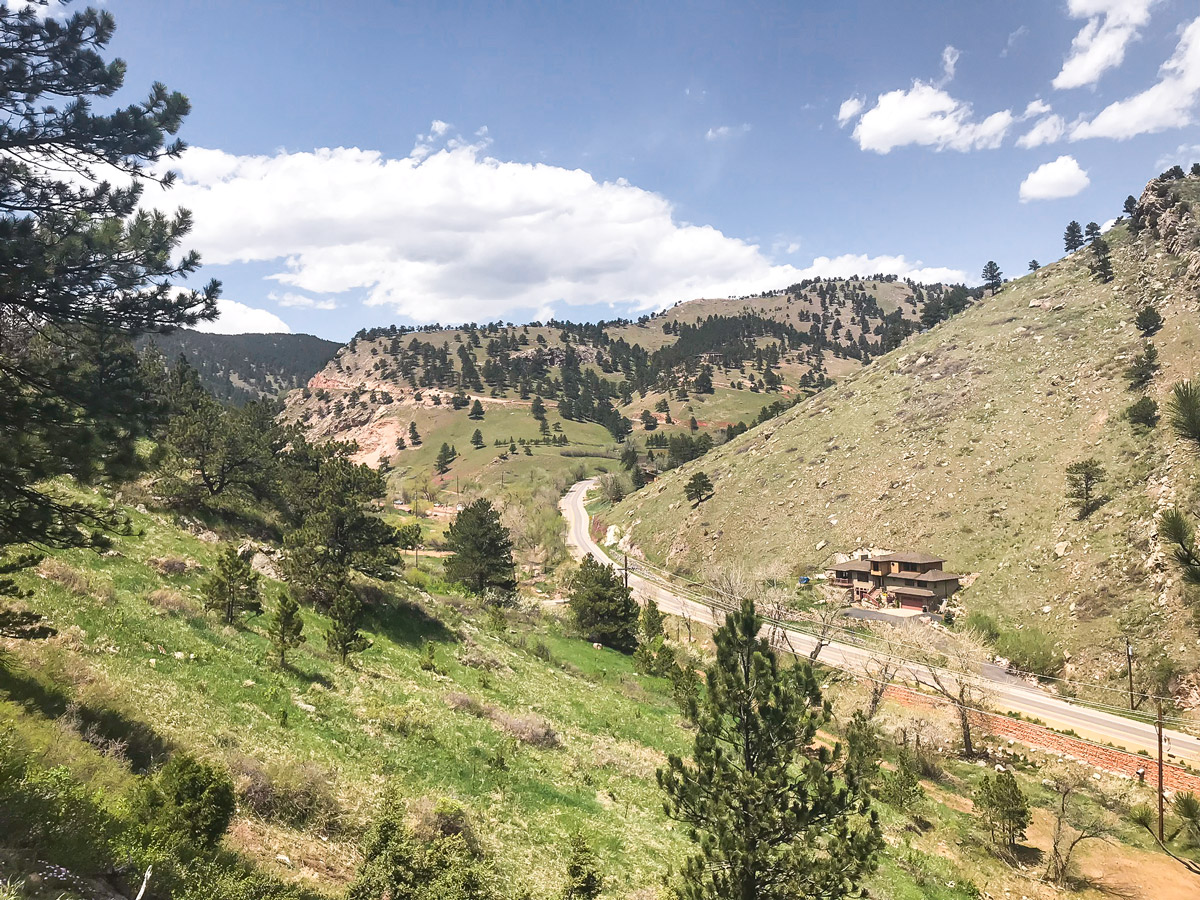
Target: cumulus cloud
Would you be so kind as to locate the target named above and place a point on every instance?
(1100, 44)
(849, 264)
(300, 301)
(1036, 108)
(456, 235)
(950, 57)
(1054, 180)
(1171, 103)
(1046, 131)
(238, 318)
(928, 116)
(849, 109)
(721, 132)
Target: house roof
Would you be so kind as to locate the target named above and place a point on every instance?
(853, 565)
(937, 575)
(908, 556)
(910, 591)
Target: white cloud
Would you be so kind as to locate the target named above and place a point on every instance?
(1054, 180)
(848, 110)
(721, 132)
(1100, 44)
(300, 301)
(455, 235)
(1107, 226)
(1171, 103)
(1036, 108)
(926, 115)
(1183, 155)
(1047, 131)
(950, 57)
(861, 264)
(238, 318)
(1013, 37)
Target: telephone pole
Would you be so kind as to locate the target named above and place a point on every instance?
(1129, 665)
(1158, 726)
(626, 555)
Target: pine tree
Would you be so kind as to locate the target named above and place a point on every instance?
(481, 550)
(760, 798)
(477, 439)
(602, 608)
(1102, 263)
(1142, 369)
(83, 269)
(584, 881)
(1091, 232)
(992, 276)
(1034, 265)
(1083, 481)
(1073, 238)
(444, 458)
(538, 408)
(1004, 808)
(345, 615)
(286, 626)
(1149, 320)
(414, 437)
(698, 488)
(476, 411)
(233, 587)
(1130, 207)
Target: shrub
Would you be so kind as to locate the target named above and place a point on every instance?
(900, 788)
(464, 703)
(190, 799)
(1143, 412)
(301, 796)
(442, 818)
(171, 601)
(58, 571)
(1031, 651)
(982, 623)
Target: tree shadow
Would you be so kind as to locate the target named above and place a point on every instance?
(401, 621)
(144, 747)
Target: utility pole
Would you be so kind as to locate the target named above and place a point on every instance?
(1129, 664)
(626, 555)
(1158, 726)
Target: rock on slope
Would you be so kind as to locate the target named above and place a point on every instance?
(957, 443)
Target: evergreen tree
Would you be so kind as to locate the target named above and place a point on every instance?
(698, 488)
(538, 408)
(1073, 237)
(1143, 368)
(1149, 320)
(1143, 412)
(992, 276)
(476, 411)
(1091, 232)
(602, 608)
(477, 439)
(1130, 207)
(286, 626)
(760, 798)
(414, 437)
(1034, 265)
(481, 550)
(703, 383)
(233, 587)
(584, 881)
(1083, 481)
(629, 457)
(83, 268)
(345, 616)
(649, 422)
(444, 458)
(1004, 808)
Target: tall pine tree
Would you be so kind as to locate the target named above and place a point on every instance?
(761, 800)
(481, 550)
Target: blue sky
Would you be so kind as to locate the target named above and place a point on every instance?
(364, 163)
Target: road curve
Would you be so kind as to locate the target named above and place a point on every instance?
(1009, 694)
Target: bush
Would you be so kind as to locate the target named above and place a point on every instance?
(901, 789)
(986, 626)
(300, 796)
(1143, 413)
(189, 799)
(1031, 651)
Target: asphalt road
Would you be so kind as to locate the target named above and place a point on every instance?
(1007, 692)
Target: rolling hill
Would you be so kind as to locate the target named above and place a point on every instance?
(957, 442)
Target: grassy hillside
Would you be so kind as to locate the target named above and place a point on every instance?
(507, 722)
(958, 442)
(242, 367)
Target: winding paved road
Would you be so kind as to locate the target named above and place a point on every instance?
(1008, 693)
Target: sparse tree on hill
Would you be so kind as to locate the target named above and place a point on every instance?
(649, 422)
(1143, 368)
(761, 799)
(698, 488)
(951, 665)
(1101, 264)
(629, 457)
(345, 617)
(481, 550)
(1195, 169)
(286, 626)
(1149, 320)
(1072, 825)
(233, 587)
(1073, 237)
(1004, 809)
(445, 457)
(1183, 410)
(1034, 265)
(1083, 486)
(414, 437)
(538, 408)
(1143, 413)
(584, 881)
(409, 537)
(1091, 232)
(477, 439)
(476, 411)
(1130, 207)
(602, 607)
(992, 276)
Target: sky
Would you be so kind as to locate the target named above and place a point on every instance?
(366, 163)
